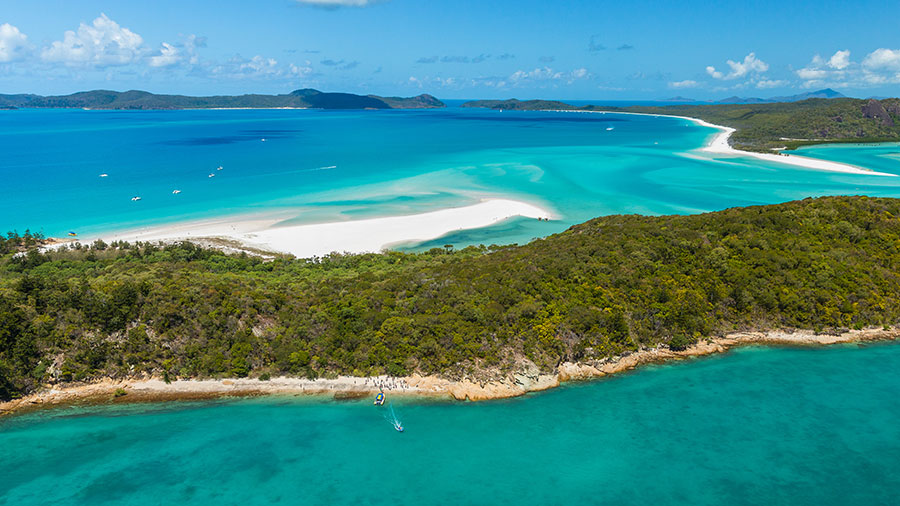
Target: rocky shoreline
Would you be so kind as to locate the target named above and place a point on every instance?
(528, 379)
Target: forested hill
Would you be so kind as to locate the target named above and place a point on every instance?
(103, 99)
(766, 126)
(602, 288)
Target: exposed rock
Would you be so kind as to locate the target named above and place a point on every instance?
(575, 372)
(528, 379)
(892, 107)
(874, 110)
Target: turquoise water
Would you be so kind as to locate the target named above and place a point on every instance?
(754, 426)
(318, 166)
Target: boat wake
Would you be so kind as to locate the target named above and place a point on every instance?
(392, 418)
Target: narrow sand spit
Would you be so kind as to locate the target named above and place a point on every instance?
(356, 236)
(719, 145)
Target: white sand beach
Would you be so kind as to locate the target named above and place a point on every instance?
(719, 145)
(267, 232)
(356, 236)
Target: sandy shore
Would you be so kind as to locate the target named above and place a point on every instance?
(527, 379)
(719, 145)
(356, 236)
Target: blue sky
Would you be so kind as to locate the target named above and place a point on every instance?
(453, 49)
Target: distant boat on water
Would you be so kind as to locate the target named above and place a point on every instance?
(104, 175)
(212, 175)
(609, 128)
(263, 140)
(219, 167)
(135, 199)
(176, 192)
(72, 234)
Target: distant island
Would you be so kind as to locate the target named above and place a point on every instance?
(142, 100)
(824, 93)
(764, 126)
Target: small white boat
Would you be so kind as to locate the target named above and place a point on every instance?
(263, 140)
(176, 192)
(219, 167)
(135, 199)
(609, 128)
(104, 175)
(211, 175)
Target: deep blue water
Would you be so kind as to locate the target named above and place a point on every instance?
(754, 426)
(319, 166)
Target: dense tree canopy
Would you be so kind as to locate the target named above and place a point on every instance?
(601, 288)
(764, 127)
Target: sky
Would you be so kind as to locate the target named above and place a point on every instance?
(453, 49)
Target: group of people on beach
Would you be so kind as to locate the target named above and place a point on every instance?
(388, 383)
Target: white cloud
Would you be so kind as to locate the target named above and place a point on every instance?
(548, 74)
(182, 53)
(751, 64)
(13, 43)
(191, 43)
(257, 67)
(169, 55)
(840, 60)
(809, 74)
(883, 59)
(300, 71)
(714, 73)
(101, 44)
(687, 83)
(879, 68)
(771, 83)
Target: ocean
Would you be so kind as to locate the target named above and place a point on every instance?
(757, 425)
(753, 426)
(314, 166)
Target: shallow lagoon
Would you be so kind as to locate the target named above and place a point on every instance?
(319, 166)
(754, 426)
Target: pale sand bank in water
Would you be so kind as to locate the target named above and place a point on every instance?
(356, 236)
(527, 379)
(719, 145)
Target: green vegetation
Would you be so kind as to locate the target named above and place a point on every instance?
(766, 126)
(599, 289)
(763, 127)
(521, 105)
(104, 99)
(13, 242)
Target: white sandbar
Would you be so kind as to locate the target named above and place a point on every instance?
(357, 236)
(719, 145)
